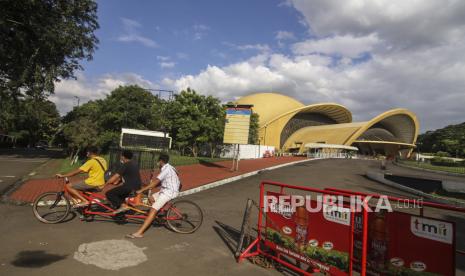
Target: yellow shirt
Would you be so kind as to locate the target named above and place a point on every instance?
(96, 174)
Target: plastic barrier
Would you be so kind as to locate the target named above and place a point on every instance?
(317, 240)
(315, 233)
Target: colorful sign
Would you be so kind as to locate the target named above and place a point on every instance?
(405, 244)
(320, 239)
(236, 129)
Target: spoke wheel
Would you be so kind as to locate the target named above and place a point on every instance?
(184, 217)
(51, 207)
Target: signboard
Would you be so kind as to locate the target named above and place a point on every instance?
(236, 130)
(320, 239)
(405, 244)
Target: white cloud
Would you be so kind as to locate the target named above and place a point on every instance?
(415, 60)
(166, 65)
(346, 45)
(87, 89)
(163, 58)
(284, 35)
(131, 34)
(412, 24)
(264, 48)
(200, 31)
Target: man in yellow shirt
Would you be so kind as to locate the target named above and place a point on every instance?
(95, 167)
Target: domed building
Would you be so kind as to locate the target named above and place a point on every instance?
(291, 126)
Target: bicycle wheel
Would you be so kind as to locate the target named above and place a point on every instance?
(51, 207)
(184, 217)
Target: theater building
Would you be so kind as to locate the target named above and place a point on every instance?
(289, 126)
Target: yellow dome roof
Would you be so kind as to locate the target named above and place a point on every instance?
(270, 105)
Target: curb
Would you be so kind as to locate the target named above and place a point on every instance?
(379, 177)
(427, 170)
(239, 177)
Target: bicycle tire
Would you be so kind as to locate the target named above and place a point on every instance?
(173, 224)
(58, 197)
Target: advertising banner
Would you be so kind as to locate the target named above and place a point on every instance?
(318, 238)
(236, 129)
(404, 244)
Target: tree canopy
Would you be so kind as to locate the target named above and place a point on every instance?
(193, 120)
(450, 139)
(43, 41)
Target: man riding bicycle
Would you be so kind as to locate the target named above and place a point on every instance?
(170, 185)
(130, 176)
(95, 167)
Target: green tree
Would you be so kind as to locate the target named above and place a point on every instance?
(42, 42)
(450, 139)
(32, 120)
(130, 107)
(80, 134)
(126, 106)
(195, 120)
(253, 129)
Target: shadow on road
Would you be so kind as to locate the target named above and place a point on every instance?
(229, 235)
(210, 164)
(36, 259)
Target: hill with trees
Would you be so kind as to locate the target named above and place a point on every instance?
(450, 140)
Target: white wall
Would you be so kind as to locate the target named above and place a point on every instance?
(247, 151)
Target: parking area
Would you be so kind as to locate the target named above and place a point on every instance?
(33, 248)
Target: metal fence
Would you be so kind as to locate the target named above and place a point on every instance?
(146, 160)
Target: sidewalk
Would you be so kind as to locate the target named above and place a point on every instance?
(192, 176)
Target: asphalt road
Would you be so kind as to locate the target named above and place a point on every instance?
(29, 247)
(13, 168)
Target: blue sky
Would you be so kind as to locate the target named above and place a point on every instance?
(138, 36)
(370, 56)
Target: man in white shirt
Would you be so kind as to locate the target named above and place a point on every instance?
(170, 185)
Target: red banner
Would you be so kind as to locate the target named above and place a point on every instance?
(405, 244)
(320, 239)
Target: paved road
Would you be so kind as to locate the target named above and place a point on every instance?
(32, 248)
(13, 168)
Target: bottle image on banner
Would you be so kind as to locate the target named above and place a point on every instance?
(378, 242)
(301, 221)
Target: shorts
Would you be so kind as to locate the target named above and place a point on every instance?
(83, 186)
(160, 200)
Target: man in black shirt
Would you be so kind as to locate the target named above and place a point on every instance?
(129, 174)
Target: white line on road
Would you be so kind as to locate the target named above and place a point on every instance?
(8, 176)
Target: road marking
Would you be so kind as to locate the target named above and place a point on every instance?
(8, 176)
(110, 254)
(32, 173)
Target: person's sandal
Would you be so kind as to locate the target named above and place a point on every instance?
(132, 236)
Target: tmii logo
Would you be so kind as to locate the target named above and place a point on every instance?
(432, 229)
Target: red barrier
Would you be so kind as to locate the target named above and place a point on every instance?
(323, 246)
(362, 241)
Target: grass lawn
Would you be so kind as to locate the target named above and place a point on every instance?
(428, 166)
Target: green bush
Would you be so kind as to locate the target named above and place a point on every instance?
(438, 161)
